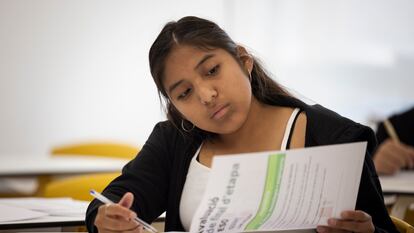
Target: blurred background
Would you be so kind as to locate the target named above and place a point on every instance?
(74, 70)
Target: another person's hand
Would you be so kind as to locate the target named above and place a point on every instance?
(391, 156)
(118, 217)
(350, 221)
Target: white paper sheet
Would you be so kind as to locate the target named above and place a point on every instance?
(47, 206)
(279, 191)
(12, 213)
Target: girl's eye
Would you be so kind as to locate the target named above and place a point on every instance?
(184, 94)
(213, 71)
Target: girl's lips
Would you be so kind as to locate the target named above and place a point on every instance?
(220, 112)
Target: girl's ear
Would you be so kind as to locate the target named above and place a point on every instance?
(245, 58)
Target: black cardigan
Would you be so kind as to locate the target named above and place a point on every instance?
(404, 126)
(157, 175)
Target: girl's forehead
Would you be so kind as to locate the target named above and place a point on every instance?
(180, 51)
(190, 50)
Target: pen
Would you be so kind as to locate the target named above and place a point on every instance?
(391, 131)
(105, 200)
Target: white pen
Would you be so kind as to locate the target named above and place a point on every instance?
(105, 200)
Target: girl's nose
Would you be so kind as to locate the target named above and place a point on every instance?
(207, 94)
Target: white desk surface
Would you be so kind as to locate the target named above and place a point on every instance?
(58, 165)
(48, 221)
(400, 183)
(53, 221)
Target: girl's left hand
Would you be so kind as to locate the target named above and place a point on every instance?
(350, 221)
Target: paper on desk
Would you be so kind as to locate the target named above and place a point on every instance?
(50, 206)
(279, 191)
(12, 213)
(401, 182)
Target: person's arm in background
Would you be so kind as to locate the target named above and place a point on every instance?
(393, 155)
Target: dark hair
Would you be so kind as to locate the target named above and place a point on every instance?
(207, 35)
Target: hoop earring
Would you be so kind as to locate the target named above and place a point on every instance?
(186, 130)
(249, 75)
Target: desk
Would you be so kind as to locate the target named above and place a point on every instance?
(55, 222)
(45, 222)
(26, 168)
(401, 184)
(57, 165)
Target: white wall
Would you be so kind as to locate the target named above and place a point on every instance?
(355, 57)
(75, 70)
(78, 70)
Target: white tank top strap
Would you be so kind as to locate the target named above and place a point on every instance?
(288, 128)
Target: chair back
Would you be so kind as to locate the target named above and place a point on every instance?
(105, 149)
(78, 187)
(402, 226)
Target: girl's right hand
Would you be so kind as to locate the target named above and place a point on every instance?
(118, 217)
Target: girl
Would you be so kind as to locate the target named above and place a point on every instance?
(219, 100)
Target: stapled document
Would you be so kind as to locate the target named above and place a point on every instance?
(280, 190)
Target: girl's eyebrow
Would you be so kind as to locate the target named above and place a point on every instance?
(175, 85)
(205, 58)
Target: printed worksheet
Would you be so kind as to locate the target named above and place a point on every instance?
(280, 190)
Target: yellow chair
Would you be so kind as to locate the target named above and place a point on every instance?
(104, 149)
(77, 187)
(409, 216)
(402, 226)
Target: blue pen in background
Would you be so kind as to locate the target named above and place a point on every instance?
(105, 200)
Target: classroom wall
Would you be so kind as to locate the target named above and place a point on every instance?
(76, 70)
(355, 57)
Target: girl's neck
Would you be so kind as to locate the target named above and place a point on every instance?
(259, 119)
